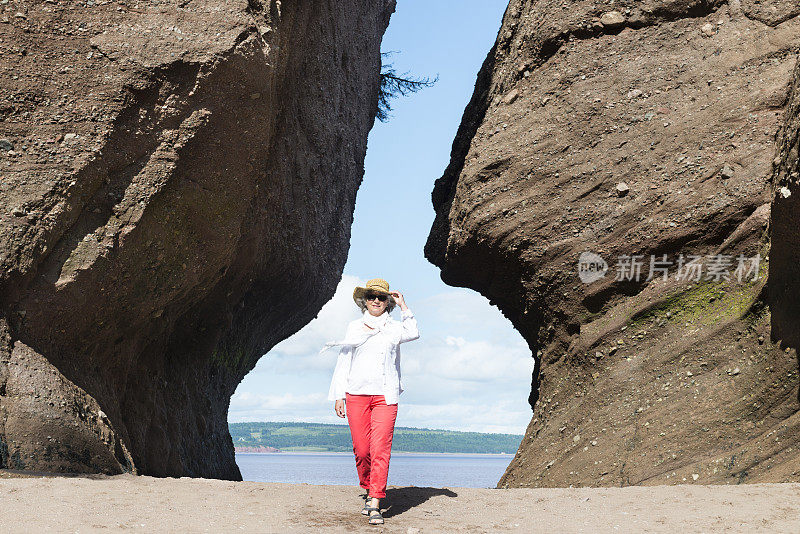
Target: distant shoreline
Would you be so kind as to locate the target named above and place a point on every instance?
(401, 453)
(327, 437)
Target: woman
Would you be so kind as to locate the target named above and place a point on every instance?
(366, 384)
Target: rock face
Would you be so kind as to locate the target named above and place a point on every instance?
(784, 266)
(632, 135)
(174, 177)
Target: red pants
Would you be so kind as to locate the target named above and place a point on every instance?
(371, 423)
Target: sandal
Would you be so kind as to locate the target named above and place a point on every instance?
(375, 517)
(365, 510)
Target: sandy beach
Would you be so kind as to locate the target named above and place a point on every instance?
(145, 504)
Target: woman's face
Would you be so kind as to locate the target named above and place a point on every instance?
(375, 306)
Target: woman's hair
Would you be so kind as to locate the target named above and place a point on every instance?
(390, 304)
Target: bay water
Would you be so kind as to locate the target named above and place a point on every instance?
(405, 469)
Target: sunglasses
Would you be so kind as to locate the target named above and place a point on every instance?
(380, 296)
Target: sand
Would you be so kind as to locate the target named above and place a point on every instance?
(145, 504)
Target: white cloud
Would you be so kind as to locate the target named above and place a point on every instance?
(247, 399)
(313, 407)
(501, 416)
(330, 321)
(465, 309)
(455, 358)
(469, 370)
(300, 352)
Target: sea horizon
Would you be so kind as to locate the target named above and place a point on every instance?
(468, 470)
(393, 453)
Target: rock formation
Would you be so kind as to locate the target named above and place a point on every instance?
(178, 184)
(784, 266)
(643, 133)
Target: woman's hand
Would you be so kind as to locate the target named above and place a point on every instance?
(398, 298)
(338, 407)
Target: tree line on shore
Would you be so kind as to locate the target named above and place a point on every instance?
(336, 438)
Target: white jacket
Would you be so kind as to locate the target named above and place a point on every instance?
(391, 335)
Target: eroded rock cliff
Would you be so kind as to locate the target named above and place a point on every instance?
(178, 184)
(633, 132)
(784, 267)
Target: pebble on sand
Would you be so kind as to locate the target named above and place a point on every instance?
(612, 19)
(726, 172)
(511, 96)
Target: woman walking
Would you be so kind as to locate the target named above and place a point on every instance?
(366, 384)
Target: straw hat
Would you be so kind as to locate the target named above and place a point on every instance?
(378, 285)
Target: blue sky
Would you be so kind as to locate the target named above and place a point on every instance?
(470, 370)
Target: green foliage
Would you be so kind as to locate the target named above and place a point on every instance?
(708, 302)
(393, 85)
(336, 438)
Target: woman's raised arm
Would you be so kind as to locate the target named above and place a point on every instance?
(410, 331)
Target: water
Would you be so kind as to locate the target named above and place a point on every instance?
(405, 469)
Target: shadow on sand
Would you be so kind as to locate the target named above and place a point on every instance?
(401, 500)
(22, 473)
